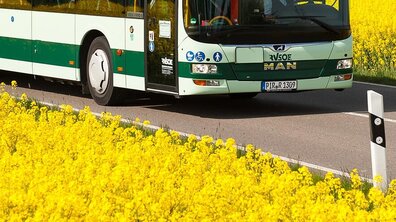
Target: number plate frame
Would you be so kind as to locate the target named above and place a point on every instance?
(278, 86)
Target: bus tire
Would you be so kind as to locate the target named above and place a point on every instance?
(99, 68)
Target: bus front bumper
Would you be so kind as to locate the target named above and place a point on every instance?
(188, 87)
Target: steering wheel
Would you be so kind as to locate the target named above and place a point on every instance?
(308, 1)
(220, 17)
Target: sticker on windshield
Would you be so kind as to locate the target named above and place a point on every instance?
(200, 56)
(151, 46)
(164, 29)
(217, 57)
(190, 56)
(167, 66)
(151, 36)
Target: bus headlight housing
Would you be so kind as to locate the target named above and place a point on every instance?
(343, 77)
(204, 68)
(207, 82)
(344, 64)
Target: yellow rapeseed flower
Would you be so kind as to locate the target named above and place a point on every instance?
(14, 84)
(59, 165)
(374, 33)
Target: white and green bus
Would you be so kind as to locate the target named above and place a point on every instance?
(180, 47)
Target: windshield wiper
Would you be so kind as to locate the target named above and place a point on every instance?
(314, 20)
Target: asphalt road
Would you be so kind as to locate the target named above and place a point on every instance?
(325, 128)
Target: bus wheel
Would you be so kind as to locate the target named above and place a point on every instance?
(100, 72)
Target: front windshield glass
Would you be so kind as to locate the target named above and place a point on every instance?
(266, 21)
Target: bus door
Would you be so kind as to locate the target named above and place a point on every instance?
(160, 46)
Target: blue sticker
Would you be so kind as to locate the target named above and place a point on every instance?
(217, 57)
(200, 56)
(12, 19)
(151, 46)
(190, 56)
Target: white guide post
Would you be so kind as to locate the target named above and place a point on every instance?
(378, 143)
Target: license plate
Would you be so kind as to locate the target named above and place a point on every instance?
(279, 86)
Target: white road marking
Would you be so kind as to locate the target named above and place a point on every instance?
(367, 116)
(375, 84)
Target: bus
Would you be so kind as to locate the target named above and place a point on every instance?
(180, 47)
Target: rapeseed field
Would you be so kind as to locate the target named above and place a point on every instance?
(56, 165)
(374, 34)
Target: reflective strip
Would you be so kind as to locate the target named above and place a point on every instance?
(377, 130)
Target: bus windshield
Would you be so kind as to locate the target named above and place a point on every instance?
(266, 21)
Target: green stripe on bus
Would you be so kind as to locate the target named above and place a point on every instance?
(134, 63)
(131, 62)
(65, 55)
(57, 54)
(282, 70)
(60, 54)
(17, 49)
(256, 72)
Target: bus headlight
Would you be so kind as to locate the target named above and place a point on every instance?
(344, 64)
(204, 68)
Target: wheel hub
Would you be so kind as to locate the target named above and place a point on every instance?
(99, 71)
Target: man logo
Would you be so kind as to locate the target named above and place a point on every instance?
(279, 47)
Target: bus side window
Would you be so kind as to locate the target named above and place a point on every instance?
(16, 4)
(101, 7)
(135, 8)
(54, 5)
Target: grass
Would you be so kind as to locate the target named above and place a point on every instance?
(346, 183)
(380, 77)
